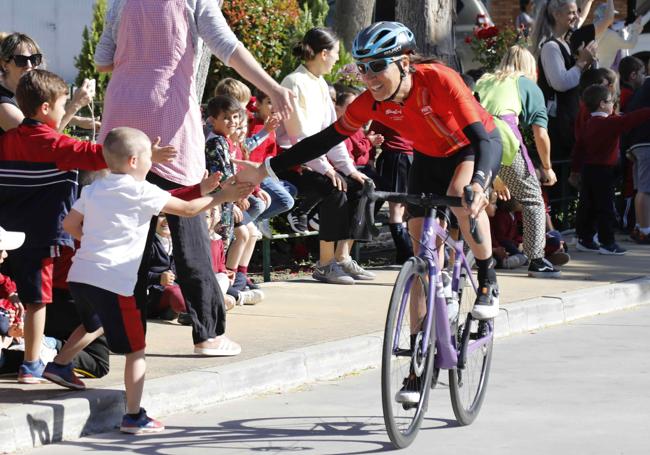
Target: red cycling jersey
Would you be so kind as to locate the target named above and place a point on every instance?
(433, 115)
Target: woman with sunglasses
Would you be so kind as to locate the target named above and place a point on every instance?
(454, 139)
(20, 54)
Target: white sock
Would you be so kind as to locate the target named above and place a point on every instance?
(644, 230)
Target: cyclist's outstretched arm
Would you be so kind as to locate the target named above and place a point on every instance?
(308, 149)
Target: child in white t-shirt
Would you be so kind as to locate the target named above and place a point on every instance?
(111, 219)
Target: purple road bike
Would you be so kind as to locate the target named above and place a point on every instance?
(444, 339)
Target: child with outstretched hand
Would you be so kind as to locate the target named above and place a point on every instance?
(111, 219)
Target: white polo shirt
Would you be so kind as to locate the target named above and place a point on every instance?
(117, 211)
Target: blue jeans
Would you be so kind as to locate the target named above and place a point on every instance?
(282, 197)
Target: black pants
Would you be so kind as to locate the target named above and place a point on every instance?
(336, 208)
(201, 291)
(596, 204)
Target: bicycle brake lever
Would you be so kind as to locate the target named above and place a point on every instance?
(468, 194)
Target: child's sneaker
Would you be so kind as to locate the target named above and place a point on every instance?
(142, 424)
(612, 250)
(63, 375)
(250, 297)
(31, 373)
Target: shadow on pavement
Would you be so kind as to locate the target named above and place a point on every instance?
(361, 435)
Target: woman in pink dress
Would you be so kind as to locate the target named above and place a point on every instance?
(152, 47)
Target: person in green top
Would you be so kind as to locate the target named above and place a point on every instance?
(511, 95)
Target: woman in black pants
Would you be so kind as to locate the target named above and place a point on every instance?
(331, 180)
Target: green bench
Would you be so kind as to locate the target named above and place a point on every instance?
(266, 248)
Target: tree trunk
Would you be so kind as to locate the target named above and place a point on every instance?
(350, 16)
(432, 23)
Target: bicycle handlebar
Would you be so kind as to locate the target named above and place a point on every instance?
(369, 196)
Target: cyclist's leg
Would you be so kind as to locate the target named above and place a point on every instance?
(487, 303)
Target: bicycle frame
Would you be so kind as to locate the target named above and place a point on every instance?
(448, 354)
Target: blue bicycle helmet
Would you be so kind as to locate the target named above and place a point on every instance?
(383, 39)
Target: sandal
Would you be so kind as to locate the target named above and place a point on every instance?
(221, 346)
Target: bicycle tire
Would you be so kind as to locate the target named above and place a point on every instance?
(403, 424)
(469, 385)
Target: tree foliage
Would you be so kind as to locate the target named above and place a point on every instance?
(266, 28)
(85, 61)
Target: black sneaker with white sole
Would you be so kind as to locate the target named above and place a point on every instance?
(409, 394)
(486, 305)
(542, 268)
(298, 222)
(612, 250)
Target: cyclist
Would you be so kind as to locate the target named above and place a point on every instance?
(455, 139)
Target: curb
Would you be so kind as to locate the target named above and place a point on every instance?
(97, 410)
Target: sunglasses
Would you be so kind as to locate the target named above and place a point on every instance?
(376, 66)
(21, 60)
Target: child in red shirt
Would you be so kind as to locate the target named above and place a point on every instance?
(596, 157)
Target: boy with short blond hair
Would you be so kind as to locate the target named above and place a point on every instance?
(111, 219)
(39, 169)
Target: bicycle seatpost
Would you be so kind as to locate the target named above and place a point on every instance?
(468, 194)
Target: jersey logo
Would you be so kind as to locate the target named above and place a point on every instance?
(393, 112)
(426, 110)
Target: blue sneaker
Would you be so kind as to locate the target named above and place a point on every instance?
(63, 375)
(31, 373)
(143, 424)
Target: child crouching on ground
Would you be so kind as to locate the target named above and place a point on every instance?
(113, 215)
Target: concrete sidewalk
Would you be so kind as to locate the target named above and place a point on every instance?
(303, 331)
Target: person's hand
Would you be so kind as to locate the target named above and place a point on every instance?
(479, 203)
(210, 182)
(282, 100)
(272, 123)
(574, 180)
(167, 278)
(83, 95)
(86, 123)
(16, 331)
(587, 54)
(375, 139)
(548, 177)
(264, 196)
(359, 177)
(164, 154)
(243, 204)
(18, 305)
(251, 172)
(501, 189)
(232, 190)
(237, 214)
(337, 181)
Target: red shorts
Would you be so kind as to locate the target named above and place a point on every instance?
(117, 314)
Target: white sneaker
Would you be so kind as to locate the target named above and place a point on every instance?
(331, 273)
(486, 305)
(410, 391)
(265, 228)
(351, 268)
(251, 297)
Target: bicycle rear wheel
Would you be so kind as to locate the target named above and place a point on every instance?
(402, 420)
(468, 384)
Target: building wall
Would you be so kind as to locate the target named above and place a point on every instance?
(504, 12)
(56, 25)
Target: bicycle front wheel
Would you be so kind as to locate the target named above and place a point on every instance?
(468, 384)
(402, 418)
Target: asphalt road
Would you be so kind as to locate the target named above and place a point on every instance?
(581, 388)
